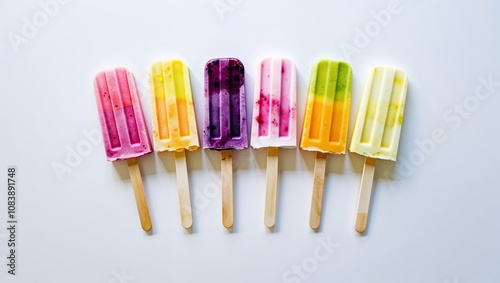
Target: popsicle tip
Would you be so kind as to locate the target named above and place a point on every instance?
(147, 226)
(235, 59)
(160, 63)
(118, 69)
(269, 223)
(215, 61)
(176, 60)
(227, 224)
(325, 61)
(187, 223)
(283, 59)
(397, 69)
(99, 74)
(361, 220)
(314, 224)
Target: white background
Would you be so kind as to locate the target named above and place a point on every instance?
(434, 217)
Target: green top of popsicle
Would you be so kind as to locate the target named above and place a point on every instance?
(333, 80)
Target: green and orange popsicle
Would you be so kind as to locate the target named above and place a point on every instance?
(325, 122)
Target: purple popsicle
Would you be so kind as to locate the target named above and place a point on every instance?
(225, 124)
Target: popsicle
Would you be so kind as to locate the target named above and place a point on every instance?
(377, 128)
(174, 123)
(123, 128)
(274, 121)
(225, 126)
(325, 122)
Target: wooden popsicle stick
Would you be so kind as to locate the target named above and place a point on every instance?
(271, 187)
(227, 187)
(317, 196)
(365, 194)
(183, 187)
(140, 196)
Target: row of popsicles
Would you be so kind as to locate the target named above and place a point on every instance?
(376, 131)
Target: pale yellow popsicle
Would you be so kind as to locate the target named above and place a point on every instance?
(377, 128)
(380, 116)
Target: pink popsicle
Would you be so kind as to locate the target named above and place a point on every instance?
(122, 121)
(123, 128)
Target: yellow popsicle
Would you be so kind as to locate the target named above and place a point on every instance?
(174, 121)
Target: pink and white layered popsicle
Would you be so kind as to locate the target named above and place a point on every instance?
(274, 122)
(124, 128)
